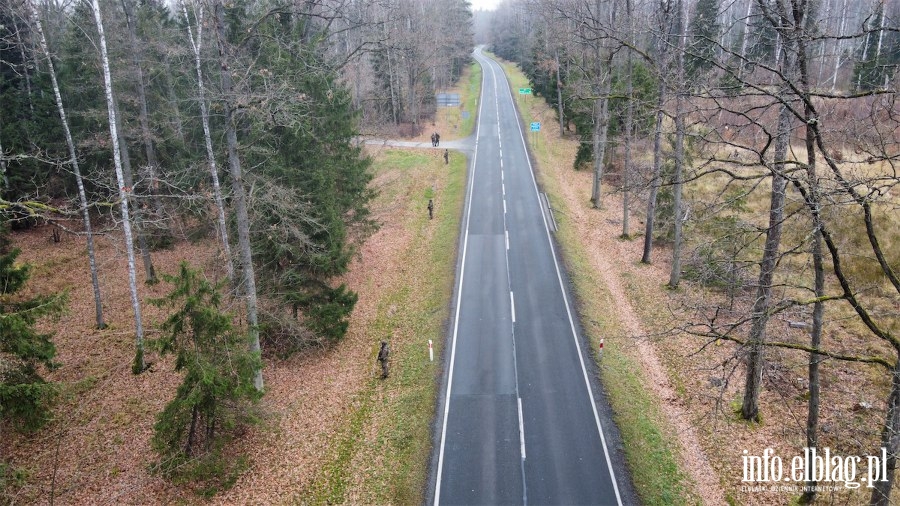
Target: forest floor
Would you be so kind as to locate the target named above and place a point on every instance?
(675, 395)
(331, 430)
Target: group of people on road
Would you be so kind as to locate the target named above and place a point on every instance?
(435, 139)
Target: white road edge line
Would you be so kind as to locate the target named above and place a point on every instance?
(562, 288)
(521, 428)
(462, 273)
(506, 233)
(512, 306)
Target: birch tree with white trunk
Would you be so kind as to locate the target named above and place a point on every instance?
(138, 365)
(73, 161)
(196, 45)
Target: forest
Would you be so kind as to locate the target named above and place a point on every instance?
(751, 148)
(151, 127)
(745, 152)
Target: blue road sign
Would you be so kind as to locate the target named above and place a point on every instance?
(536, 126)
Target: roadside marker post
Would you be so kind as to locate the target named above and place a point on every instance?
(601, 347)
(430, 352)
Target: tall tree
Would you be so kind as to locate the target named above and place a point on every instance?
(629, 124)
(678, 177)
(196, 45)
(24, 394)
(704, 33)
(139, 365)
(602, 78)
(73, 161)
(662, 41)
(248, 280)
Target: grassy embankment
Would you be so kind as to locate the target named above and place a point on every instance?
(381, 455)
(650, 446)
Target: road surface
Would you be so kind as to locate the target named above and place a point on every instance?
(519, 420)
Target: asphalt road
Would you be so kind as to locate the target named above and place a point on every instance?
(520, 422)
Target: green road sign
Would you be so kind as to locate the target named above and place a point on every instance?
(524, 91)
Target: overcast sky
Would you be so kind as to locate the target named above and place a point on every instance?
(485, 5)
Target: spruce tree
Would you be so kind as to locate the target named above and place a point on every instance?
(218, 374)
(704, 32)
(24, 394)
(316, 205)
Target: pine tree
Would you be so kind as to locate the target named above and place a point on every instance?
(24, 394)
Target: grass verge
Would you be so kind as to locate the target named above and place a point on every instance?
(470, 102)
(381, 455)
(650, 449)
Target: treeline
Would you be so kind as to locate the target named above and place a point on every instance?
(759, 138)
(167, 121)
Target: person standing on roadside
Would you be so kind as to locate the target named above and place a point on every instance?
(383, 357)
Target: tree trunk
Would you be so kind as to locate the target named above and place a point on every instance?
(173, 98)
(678, 183)
(412, 79)
(656, 179)
(25, 71)
(890, 440)
(149, 270)
(189, 444)
(760, 312)
(746, 35)
(880, 35)
(840, 46)
(559, 98)
(629, 127)
(394, 114)
(818, 316)
(601, 109)
(152, 166)
(865, 54)
(240, 198)
(207, 138)
(812, 414)
(138, 366)
(73, 159)
(3, 177)
(601, 133)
